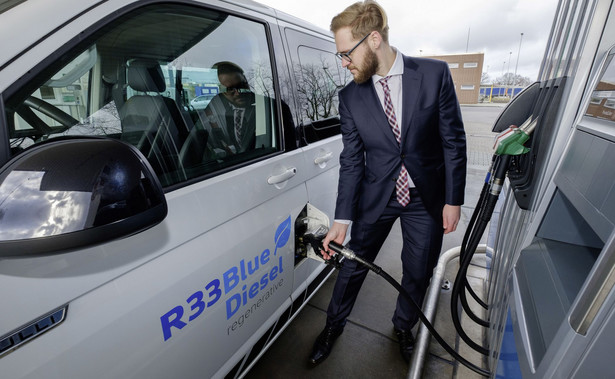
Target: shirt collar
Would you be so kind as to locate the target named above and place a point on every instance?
(396, 69)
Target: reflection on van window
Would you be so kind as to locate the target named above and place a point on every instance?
(319, 80)
(192, 89)
(602, 102)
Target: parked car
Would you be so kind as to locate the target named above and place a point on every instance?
(200, 102)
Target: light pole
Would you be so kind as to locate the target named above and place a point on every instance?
(500, 89)
(468, 42)
(517, 64)
(509, 59)
(508, 72)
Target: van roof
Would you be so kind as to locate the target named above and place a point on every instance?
(27, 22)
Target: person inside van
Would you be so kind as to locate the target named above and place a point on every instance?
(231, 115)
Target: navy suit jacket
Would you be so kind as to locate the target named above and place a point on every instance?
(433, 144)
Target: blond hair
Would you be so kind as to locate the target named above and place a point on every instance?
(362, 17)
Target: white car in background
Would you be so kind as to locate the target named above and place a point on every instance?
(200, 102)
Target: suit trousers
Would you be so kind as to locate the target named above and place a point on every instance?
(422, 242)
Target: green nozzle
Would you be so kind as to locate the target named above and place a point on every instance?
(513, 145)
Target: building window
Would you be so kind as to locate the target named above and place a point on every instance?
(596, 99)
(453, 65)
(470, 65)
(602, 103)
(47, 92)
(467, 87)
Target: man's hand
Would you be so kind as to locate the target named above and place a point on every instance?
(337, 233)
(450, 217)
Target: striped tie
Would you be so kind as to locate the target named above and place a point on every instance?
(402, 188)
(237, 116)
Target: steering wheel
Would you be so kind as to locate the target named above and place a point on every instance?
(52, 111)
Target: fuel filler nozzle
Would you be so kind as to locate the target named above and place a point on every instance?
(312, 239)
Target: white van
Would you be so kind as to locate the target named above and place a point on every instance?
(141, 236)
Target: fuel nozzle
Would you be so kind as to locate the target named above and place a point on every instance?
(312, 239)
(512, 140)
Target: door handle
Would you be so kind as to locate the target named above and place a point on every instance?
(277, 179)
(323, 158)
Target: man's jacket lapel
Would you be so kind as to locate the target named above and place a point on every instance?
(411, 81)
(369, 98)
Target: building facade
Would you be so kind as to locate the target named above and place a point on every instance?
(466, 70)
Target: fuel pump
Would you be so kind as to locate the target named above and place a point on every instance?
(508, 144)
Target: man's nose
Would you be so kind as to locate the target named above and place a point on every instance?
(345, 63)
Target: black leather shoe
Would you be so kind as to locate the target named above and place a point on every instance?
(324, 344)
(406, 343)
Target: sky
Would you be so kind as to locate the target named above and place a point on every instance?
(440, 27)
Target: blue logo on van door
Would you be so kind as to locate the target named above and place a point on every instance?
(229, 281)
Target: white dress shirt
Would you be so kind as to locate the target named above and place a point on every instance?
(396, 91)
(395, 86)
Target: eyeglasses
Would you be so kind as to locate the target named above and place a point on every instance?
(236, 90)
(346, 56)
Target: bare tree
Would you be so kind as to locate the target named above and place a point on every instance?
(318, 86)
(260, 79)
(509, 79)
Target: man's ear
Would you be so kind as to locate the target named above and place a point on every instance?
(375, 40)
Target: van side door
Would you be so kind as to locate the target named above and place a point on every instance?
(318, 78)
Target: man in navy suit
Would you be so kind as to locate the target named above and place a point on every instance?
(404, 157)
(230, 117)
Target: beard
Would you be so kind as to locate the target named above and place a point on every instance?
(368, 69)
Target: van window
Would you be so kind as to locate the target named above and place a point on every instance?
(319, 77)
(318, 82)
(602, 102)
(192, 89)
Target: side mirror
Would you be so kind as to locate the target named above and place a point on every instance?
(76, 192)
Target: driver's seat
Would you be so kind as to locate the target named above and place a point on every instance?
(152, 122)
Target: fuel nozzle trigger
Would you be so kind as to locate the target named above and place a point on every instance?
(313, 240)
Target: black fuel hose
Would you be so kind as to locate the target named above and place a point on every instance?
(472, 238)
(462, 256)
(349, 254)
(481, 204)
(482, 199)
